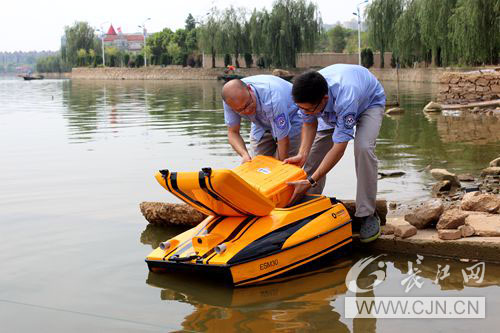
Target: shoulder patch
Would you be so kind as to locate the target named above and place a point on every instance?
(280, 121)
(349, 120)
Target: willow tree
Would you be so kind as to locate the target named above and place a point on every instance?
(294, 26)
(381, 17)
(209, 34)
(78, 36)
(434, 29)
(260, 39)
(232, 26)
(408, 45)
(475, 30)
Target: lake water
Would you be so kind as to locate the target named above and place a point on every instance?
(77, 157)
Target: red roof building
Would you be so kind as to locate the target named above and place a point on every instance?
(133, 42)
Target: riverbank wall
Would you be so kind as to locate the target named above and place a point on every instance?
(188, 73)
(469, 87)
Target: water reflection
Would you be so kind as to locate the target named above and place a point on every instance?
(307, 301)
(298, 303)
(471, 128)
(186, 108)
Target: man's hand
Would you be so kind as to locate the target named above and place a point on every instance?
(300, 188)
(298, 160)
(245, 158)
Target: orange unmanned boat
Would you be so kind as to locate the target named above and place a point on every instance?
(249, 235)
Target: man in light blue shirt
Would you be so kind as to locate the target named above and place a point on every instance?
(345, 97)
(266, 101)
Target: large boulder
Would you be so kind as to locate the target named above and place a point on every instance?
(479, 202)
(484, 224)
(426, 214)
(495, 162)
(443, 174)
(451, 219)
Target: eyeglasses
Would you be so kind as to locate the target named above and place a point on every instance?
(313, 110)
(247, 105)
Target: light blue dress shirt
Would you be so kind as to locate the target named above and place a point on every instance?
(352, 90)
(275, 112)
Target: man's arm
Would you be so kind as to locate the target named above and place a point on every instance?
(329, 161)
(283, 146)
(237, 142)
(307, 138)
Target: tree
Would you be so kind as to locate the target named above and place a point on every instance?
(293, 26)
(79, 36)
(433, 19)
(233, 31)
(475, 31)
(209, 33)
(190, 23)
(81, 56)
(175, 52)
(337, 38)
(408, 45)
(381, 16)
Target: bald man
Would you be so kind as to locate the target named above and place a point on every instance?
(265, 100)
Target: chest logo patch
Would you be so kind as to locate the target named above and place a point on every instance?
(349, 120)
(280, 121)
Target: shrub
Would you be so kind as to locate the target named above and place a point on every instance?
(248, 60)
(367, 57)
(227, 60)
(139, 60)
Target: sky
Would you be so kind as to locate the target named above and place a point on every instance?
(38, 25)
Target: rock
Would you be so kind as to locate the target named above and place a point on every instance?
(451, 219)
(466, 177)
(429, 212)
(484, 224)
(387, 229)
(394, 111)
(491, 171)
(380, 208)
(443, 174)
(280, 72)
(441, 186)
(449, 234)
(162, 213)
(466, 230)
(495, 162)
(405, 231)
(391, 174)
(433, 107)
(393, 205)
(476, 201)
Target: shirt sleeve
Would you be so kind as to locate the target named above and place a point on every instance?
(230, 117)
(307, 118)
(280, 122)
(346, 108)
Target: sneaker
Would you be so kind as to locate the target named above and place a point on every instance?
(370, 228)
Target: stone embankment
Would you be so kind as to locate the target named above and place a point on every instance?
(461, 222)
(469, 87)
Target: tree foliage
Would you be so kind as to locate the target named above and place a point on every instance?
(79, 36)
(338, 38)
(381, 16)
(277, 36)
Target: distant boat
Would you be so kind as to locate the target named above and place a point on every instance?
(28, 77)
(229, 77)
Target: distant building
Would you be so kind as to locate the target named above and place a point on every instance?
(133, 42)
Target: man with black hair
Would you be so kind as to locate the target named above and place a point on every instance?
(265, 100)
(345, 97)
